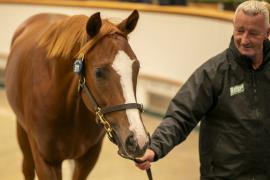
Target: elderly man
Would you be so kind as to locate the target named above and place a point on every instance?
(230, 96)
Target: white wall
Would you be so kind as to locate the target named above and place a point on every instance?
(168, 45)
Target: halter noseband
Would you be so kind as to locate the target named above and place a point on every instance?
(100, 112)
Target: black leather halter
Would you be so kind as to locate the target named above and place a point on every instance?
(100, 112)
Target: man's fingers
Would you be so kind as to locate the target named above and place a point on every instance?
(144, 162)
(139, 160)
(144, 165)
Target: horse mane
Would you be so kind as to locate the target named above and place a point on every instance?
(64, 37)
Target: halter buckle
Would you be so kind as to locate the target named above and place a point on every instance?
(81, 83)
(104, 122)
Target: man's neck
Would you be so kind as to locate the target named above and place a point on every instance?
(257, 61)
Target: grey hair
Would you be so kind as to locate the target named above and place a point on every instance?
(253, 8)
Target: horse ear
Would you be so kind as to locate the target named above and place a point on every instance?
(93, 24)
(129, 24)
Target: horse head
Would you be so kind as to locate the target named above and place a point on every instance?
(108, 70)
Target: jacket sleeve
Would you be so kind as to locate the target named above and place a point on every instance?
(185, 110)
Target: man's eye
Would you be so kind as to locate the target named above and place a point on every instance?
(254, 33)
(240, 30)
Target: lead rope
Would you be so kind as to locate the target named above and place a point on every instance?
(148, 171)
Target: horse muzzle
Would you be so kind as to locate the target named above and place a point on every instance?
(130, 148)
(133, 148)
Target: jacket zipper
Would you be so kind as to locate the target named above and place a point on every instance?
(254, 85)
(255, 94)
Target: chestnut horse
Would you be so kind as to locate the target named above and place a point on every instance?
(64, 75)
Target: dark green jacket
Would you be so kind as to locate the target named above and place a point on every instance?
(232, 102)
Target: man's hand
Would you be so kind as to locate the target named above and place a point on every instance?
(145, 160)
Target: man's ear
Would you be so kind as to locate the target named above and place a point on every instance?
(268, 32)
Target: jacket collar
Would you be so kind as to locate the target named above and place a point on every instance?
(246, 61)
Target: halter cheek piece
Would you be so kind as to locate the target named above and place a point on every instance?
(100, 112)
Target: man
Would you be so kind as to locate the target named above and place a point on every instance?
(230, 96)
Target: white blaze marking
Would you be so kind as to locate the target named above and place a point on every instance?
(123, 66)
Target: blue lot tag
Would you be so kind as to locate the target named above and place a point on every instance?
(77, 67)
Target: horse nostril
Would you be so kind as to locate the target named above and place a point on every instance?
(130, 142)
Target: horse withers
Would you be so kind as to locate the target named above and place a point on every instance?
(69, 80)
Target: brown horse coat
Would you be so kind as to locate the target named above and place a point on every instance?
(54, 121)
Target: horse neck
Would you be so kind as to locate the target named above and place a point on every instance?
(62, 76)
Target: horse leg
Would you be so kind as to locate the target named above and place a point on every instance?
(85, 164)
(45, 170)
(28, 163)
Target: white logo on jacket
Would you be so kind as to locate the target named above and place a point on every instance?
(237, 89)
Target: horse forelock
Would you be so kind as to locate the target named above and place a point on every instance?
(69, 34)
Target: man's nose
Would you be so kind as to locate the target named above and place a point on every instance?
(245, 38)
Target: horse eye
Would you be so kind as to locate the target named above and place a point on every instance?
(100, 73)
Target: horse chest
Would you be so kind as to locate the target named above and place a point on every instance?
(68, 143)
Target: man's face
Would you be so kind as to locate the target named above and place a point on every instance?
(249, 34)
